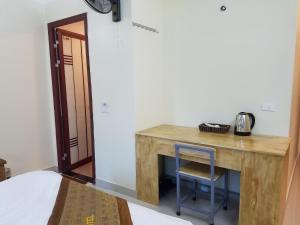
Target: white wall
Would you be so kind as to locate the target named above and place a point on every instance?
(246, 54)
(133, 89)
(218, 64)
(27, 126)
(112, 81)
(150, 105)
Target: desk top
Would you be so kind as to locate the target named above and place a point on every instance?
(256, 143)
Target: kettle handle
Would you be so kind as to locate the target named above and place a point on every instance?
(252, 120)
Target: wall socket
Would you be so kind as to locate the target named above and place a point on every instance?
(268, 107)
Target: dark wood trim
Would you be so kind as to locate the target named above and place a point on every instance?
(81, 162)
(60, 139)
(64, 103)
(66, 21)
(72, 34)
(79, 177)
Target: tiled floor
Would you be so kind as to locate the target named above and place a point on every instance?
(86, 170)
(229, 217)
(168, 204)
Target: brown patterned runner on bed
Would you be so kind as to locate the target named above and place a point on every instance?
(77, 204)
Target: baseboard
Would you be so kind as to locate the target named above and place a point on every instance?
(54, 169)
(132, 193)
(116, 188)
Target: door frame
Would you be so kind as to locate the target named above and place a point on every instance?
(59, 125)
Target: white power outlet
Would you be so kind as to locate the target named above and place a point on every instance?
(268, 107)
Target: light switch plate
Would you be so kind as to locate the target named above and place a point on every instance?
(268, 107)
(104, 107)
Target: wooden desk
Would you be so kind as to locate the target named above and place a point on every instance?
(262, 161)
(2, 170)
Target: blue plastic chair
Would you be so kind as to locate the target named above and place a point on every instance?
(200, 172)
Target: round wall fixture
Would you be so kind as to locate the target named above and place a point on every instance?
(101, 6)
(223, 8)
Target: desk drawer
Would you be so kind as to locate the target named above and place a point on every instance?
(225, 158)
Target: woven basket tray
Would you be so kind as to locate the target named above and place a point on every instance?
(223, 128)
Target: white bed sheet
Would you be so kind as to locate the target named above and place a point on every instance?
(29, 200)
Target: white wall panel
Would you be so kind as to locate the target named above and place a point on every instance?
(112, 81)
(27, 133)
(221, 63)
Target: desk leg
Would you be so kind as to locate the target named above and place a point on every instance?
(261, 187)
(147, 171)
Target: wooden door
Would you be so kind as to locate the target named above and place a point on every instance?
(75, 101)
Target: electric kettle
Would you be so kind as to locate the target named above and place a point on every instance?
(244, 124)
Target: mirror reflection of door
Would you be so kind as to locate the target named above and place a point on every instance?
(76, 102)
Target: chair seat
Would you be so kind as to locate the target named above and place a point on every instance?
(201, 171)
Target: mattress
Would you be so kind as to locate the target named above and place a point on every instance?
(29, 199)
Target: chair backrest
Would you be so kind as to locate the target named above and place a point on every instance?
(201, 150)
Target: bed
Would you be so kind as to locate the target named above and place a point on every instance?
(33, 199)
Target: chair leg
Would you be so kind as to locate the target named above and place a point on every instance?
(226, 190)
(212, 203)
(195, 190)
(178, 194)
